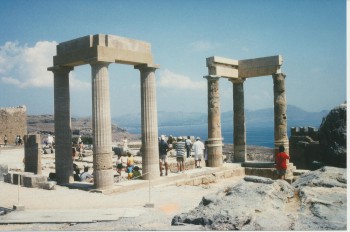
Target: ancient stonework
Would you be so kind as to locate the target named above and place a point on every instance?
(13, 122)
(304, 147)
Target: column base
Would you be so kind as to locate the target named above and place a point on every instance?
(103, 179)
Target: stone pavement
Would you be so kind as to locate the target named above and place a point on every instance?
(169, 194)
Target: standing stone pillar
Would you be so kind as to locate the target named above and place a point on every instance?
(63, 131)
(101, 126)
(32, 154)
(280, 112)
(214, 123)
(149, 123)
(239, 129)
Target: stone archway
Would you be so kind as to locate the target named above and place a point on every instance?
(237, 71)
(99, 51)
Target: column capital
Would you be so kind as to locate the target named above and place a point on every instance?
(237, 80)
(148, 67)
(100, 63)
(278, 74)
(211, 77)
(57, 68)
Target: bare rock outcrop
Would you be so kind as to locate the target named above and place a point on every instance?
(317, 201)
(332, 135)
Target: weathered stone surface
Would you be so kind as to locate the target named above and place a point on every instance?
(8, 178)
(323, 177)
(33, 181)
(333, 137)
(258, 203)
(49, 185)
(13, 122)
(4, 169)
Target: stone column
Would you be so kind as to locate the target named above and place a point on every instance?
(149, 123)
(239, 129)
(214, 123)
(101, 126)
(32, 154)
(280, 112)
(63, 131)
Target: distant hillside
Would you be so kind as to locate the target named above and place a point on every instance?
(254, 118)
(44, 124)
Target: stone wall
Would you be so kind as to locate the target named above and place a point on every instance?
(13, 122)
(304, 147)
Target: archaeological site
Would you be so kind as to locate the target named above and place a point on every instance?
(41, 181)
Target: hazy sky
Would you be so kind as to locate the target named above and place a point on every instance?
(309, 34)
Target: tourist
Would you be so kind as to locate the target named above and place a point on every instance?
(17, 140)
(125, 145)
(119, 164)
(180, 155)
(20, 141)
(76, 172)
(163, 149)
(198, 152)
(129, 165)
(136, 173)
(171, 144)
(206, 152)
(86, 176)
(281, 163)
(188, 146)
(5, 140)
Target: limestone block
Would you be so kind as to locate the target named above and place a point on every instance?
(33, 181)
(49, 185)
(263, 66)
(208, 179)
(4, 169)
(238, 172)
(197, 181)
(219, 175)
(106, 48)
(20, 174)
(189, 182)
(180, 183)
(228, 173)
(7, 178)
(224, 67)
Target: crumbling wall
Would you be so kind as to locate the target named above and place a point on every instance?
(13, 122)
(304, 147)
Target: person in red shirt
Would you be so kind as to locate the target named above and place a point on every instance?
(281, 163)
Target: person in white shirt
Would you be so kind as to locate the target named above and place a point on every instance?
(198, 147)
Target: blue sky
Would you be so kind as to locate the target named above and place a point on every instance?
(309, 34)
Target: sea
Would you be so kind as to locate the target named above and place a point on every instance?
(256, 135)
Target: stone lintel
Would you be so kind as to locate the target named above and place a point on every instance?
(263, 66)
(142, 66)
(105, 48)
(223, 67)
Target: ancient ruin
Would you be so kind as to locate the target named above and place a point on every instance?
(13, 122)
(99, 51)
(237, 71)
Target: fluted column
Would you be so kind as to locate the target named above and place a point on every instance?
(101, 126)
(280, 112)
(214, 123)
(239, 129)
(63, 131)
(149, 122)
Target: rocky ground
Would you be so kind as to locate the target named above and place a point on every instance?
(316, 201)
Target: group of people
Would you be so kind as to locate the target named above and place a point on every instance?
(183, 148)
(84, 176)
(130, 168)
(18, 140)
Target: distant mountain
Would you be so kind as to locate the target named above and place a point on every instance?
(254, 118)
